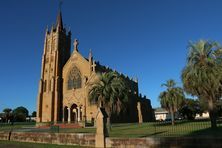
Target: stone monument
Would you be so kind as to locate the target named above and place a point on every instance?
(101, 128)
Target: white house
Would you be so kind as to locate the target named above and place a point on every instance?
(161, 114)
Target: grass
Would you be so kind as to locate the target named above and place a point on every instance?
(17, 125)
(135, 130)
(162, 129)
(15, 144)
(31, 128)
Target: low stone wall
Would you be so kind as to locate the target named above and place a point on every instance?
(169, 142)
(82, 139)
(89, 140)
(131, 142)
(4, 135)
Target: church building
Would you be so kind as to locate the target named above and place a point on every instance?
(64, 83)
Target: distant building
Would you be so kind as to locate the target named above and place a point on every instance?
(204, 115)
(162, 114)
(30, 119)
(65, 82)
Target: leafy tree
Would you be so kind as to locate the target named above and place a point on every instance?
(34, 114)
(219, 108)
(7, 114)
(203, 105)
(20, 114)
(172, 98)
(190, 109)
(202, 75)
(110, 91)
(1, 117)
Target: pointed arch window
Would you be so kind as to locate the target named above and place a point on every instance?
(74, 79)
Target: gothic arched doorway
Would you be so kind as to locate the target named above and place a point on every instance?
(74, 113)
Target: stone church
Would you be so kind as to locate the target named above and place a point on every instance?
(64, 83)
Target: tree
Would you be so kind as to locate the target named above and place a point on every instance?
(7, 114)
(202, 75)
(110, 91)
(219, 108)
(34, 114)
(190, 108)
(172, 98)
(20, 114)
(1, 117)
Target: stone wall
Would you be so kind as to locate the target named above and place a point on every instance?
(4, 135)
(54, 138)
(89, 140)
(177, 142)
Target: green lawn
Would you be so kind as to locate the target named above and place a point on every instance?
(32, 128)
(16, 125)
(14, 144)
(153, 129)
(161, 129)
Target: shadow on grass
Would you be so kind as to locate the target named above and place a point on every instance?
(179, 122)
(153, 134)
(208, 132)
(168, 123)
(121, 124)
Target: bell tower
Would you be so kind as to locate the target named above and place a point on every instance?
(55, 55)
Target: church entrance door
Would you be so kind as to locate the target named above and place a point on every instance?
(74, 113)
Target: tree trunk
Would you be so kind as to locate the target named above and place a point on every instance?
(108, 110)
(108, 124)
(212, 112)
(172, 116)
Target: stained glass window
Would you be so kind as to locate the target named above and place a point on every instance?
(74, 79)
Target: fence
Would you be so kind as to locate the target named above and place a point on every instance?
(165, 129)
(127, 130)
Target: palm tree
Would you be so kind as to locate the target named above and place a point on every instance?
(172, 98)
(202, 75)
(110, 92)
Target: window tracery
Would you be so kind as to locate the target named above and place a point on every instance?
(74, 79)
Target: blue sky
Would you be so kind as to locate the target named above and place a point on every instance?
(141, 38)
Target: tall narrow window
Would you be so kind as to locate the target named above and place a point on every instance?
(74, 79)
(45, 86)
(49, 85)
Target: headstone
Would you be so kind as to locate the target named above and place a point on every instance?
(140, 117)
(101, 128)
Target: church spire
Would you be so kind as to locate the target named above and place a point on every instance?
(59, 23)
(90, 60)
(76, 43)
